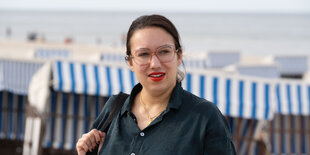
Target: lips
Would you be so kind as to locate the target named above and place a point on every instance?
(157, 76)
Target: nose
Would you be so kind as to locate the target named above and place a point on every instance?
(154, 62)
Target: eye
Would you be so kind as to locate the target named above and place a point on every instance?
(164, 52)
(143, 54)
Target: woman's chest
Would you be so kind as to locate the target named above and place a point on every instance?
(161, 137)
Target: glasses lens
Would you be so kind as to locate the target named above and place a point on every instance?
(164, 54)
(142, 56)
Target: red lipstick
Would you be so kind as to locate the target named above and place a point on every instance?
(157, 76)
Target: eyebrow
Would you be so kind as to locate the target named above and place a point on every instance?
(162, 46)
(166, 45)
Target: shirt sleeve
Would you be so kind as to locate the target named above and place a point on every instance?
(218, 139)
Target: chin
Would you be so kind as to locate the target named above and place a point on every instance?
(160, 86)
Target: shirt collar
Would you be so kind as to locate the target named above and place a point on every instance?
(127, 105)
(175, 98)
(174, 101)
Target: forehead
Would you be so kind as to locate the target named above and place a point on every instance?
(151, 38)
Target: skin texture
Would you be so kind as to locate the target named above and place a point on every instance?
(152, 38)
(155, 94)
(89, 141)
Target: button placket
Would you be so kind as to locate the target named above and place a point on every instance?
(142, 134)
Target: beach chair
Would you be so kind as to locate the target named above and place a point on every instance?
(14, 81)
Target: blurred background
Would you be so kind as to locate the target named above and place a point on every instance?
(253, 27)
(60, 60)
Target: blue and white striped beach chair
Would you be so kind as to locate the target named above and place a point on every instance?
(290, 129)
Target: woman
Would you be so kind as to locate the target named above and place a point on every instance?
(159, 117)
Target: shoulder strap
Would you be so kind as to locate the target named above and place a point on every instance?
(116, 107)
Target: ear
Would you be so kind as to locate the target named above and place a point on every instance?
(130, 65)
(180, 58)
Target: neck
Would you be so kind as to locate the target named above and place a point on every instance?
(152, 99)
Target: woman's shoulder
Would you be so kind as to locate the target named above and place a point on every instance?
(104, 112)
(200, 105)
(209, 114)
(194, 100)
(108, 105)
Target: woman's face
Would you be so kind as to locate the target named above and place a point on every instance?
(158, 74)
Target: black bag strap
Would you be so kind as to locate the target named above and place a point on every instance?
(116, 107)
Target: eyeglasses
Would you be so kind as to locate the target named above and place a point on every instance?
(164, 54)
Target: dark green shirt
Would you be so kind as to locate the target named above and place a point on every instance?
(190, 125)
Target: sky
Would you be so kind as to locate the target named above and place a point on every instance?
(269, 6)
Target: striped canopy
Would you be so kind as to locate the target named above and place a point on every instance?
(235, 96)
(92, 79)
(292, 97)
(79, 89)
(15, 75)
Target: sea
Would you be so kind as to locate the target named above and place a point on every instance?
(248, 33)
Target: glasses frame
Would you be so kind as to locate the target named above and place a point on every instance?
(131, 57)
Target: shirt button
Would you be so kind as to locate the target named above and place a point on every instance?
(132, 154)
(142, 134)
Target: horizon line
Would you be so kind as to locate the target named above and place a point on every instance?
(154, 11)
